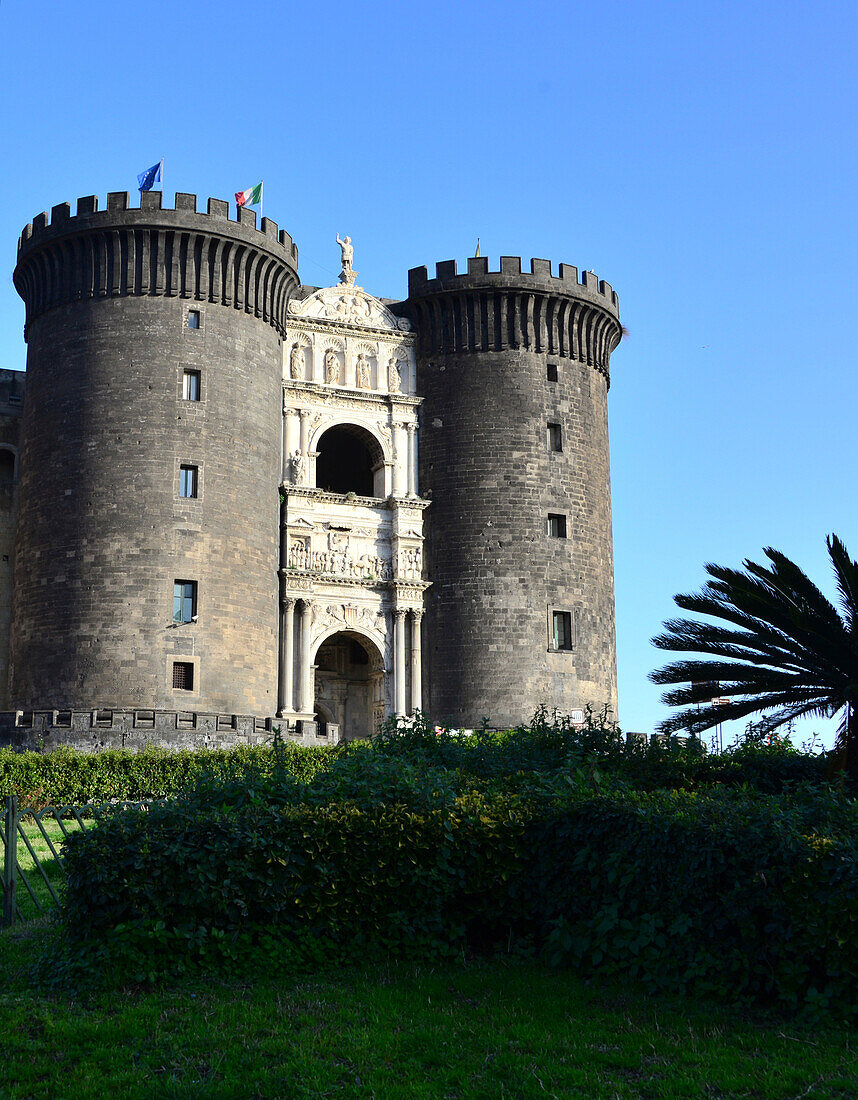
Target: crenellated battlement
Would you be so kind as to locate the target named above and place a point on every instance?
(150, 250)
(482, 310)
(510, 276)
(151, 211)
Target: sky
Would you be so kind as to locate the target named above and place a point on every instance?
(701, 157)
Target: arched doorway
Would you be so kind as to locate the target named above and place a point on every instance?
(349, 684)
(350, 460)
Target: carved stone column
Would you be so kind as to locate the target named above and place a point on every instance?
(305, 429)
(290, 441)
(416, 662)
(399, 660)
(287, 656)
(400, 460)
(305, 703)
(412, 459)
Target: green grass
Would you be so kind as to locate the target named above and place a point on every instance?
(401, 1032)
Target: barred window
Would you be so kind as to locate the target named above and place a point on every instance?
(183, 675)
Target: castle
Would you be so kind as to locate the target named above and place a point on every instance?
(241, 501)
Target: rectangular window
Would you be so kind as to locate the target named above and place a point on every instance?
(184, 601)
(188, 481)
(183, 675)
(561, 629)
(552, 372)
(193, 318)
(555, 437)
(191, 385)
(556, 525)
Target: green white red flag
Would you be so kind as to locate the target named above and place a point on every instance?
(251, 197)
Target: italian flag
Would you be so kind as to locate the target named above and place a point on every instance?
(251, 197)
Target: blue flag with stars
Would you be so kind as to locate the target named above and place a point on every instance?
(149, 177)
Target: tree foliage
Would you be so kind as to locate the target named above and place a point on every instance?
(787, 651)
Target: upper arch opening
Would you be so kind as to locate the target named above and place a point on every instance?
(350, 460)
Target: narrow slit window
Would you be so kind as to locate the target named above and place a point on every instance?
(183, 675)
(188, 481)
(561, 629)
(191, 385)
(184, 601)
(556, 525)
(555, 437)
(552, 372)
(193, 318)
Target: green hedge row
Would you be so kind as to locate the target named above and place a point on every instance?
(66, 777)
(728, 893)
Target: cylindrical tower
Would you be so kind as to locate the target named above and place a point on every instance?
(513, 369)
(147, 543)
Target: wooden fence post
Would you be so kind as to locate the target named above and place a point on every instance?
(10, 860)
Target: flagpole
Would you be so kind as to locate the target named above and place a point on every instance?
(162, 181)
(261, 193)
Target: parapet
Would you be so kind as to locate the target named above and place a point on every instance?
(511, 277)
(153, 251)
(151, 213)
(97, 730)
(511, 309)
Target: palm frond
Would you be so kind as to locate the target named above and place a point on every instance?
(846, 575)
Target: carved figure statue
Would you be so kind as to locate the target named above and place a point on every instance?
(362, 372)
(348, 274)
(394, 378)
(297, 466)
(348, 252)
(332, 366)
(296, 362)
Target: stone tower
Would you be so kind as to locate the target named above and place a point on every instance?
(513, 370)
(148, 526)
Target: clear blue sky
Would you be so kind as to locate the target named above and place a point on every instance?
(701, 157)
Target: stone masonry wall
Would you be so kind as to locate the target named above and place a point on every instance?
(103, 532)
(496, 574)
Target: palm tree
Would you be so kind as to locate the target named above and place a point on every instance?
(793, 653)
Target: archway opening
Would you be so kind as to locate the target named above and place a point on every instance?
(350, 460)
(349, 684)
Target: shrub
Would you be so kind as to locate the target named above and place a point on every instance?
(69, 777)
(728, 893)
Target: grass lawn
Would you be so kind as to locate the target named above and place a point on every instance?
(484, 1030)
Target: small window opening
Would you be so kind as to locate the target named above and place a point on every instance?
(193, 318)
(561, 629)
(556, 525)
(184, 601)
(191, 385)
(188, 481)
(7, 470)
(555, 437)
(552, 372)
(183, 675)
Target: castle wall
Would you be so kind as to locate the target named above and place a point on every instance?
(486, 341)
(11, 404)
(103, 531)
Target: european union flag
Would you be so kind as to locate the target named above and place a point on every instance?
(149, 177)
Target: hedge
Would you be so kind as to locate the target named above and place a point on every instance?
(730, 894)
(67, 777)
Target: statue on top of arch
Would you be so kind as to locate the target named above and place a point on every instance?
(348, 274)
